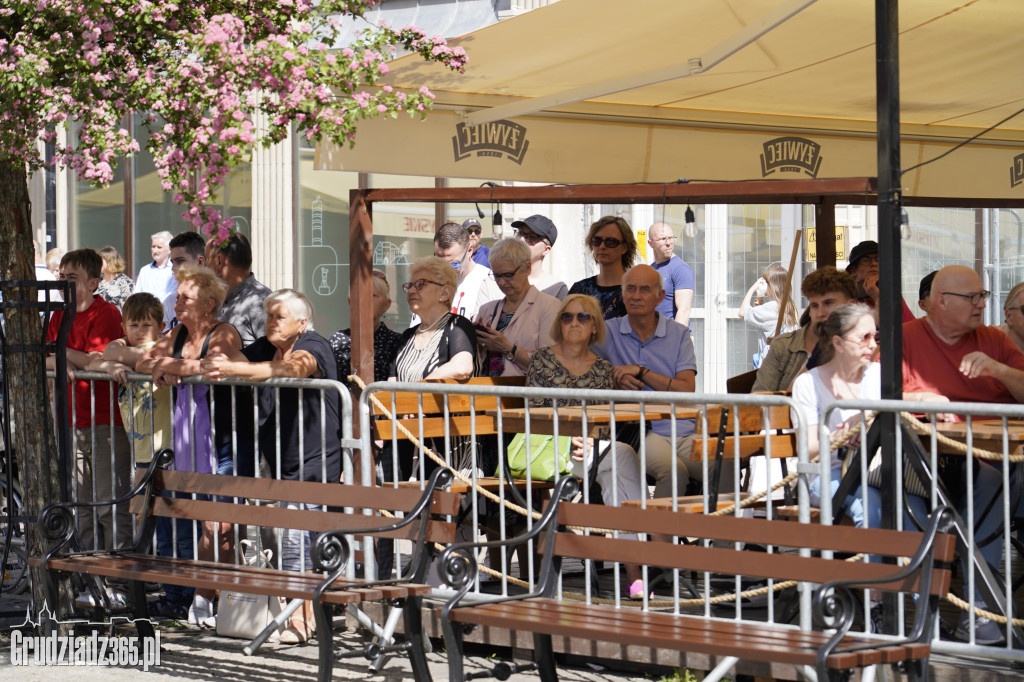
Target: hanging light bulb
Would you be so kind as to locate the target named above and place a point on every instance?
(691, 222)
(496, 230)
(904, 224)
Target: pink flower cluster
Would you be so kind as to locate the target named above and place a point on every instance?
(213, 85)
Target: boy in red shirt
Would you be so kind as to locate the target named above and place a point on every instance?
(101, 444)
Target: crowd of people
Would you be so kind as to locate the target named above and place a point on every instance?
(196, 310)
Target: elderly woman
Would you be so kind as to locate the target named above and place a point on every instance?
(115, 287)
(443, 344)
(385, 341)
(510, 329)
(569, 363)
(176, 355)
(291, 349)
(613, 246)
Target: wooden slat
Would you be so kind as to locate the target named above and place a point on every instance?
(782, 446)
(751, 641)
(751, 417)
(407, 402)
(309, 492)
(777, 566)
(757, 531)
(438, 427)
(303, 519)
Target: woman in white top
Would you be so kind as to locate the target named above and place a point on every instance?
(847, 372)
(763, 314)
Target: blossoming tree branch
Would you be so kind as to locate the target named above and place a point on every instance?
(212, 79)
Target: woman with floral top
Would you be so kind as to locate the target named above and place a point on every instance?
(115, 287)
(570, 363)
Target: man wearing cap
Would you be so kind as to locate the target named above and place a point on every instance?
(481, 253)
(540, 234)
(864, 268)
(678, 276)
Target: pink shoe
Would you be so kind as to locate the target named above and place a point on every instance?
(636, 590)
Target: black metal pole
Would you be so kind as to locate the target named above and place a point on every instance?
(890, 309)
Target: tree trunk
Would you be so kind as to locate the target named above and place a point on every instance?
(26, 400)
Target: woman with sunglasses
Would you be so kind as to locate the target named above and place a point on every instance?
(613, 246)
(510, 329)
(848, 372)
(570, 363)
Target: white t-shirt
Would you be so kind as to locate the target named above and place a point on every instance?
(477, 288)
(811, 393)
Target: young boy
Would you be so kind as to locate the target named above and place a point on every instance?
(100, 449)
(146, 413)
(147, 419)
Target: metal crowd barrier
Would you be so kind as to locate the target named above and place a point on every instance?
(988, 500)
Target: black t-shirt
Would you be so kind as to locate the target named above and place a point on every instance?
(287, 400)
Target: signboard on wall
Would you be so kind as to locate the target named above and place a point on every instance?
(810, 246)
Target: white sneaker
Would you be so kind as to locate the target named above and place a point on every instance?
(200, 612)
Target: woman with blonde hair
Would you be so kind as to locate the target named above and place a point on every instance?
(612, 244)
(115, 286)
(1013, 309)
(177, 355)
(764, 314)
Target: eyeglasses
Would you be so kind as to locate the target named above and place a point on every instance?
(506, 276)
(664, 240)
(863, 341)
(582, 318)
(475, 230)
(973, 298)
(530, 238)
(609, 242)
(419, 284)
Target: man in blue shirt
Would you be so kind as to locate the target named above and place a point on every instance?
(650, 352)
(481, 254)
(677, 275)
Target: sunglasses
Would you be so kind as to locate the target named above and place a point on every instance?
(475, 230)
(582, 318)
(530, 238)
(380, 275)
(419, 284)
(609, 242)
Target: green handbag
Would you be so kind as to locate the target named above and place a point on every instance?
(546, 461)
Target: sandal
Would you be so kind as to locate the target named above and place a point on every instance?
(299, 630)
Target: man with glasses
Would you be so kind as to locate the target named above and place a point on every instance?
(475, 285)
(650, 352)
(481, 254)
(540, 234)
(678, 276)
(949, 355)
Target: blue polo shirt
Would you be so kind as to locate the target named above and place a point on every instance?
(668, 352)
(677, 275)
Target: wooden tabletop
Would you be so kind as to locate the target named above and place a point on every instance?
(571, 419)
(987, 434)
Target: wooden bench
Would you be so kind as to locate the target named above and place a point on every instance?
(427, 519)
(831, 653)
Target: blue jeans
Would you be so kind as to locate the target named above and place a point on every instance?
(853, 505)
(166, 543)
(244, 464)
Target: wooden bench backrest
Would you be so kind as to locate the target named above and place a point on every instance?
(332, 495)
(778, 535)
(465, 414)
(752, 439)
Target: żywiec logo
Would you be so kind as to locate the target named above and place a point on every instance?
(491, 139)
(791, 154)
(1017, 170)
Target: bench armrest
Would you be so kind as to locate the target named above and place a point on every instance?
(57, 520)
(331, 550)
(458, 566)
(835, 601)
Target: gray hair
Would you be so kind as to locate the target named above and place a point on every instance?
(513, 251)
(163, 236)
(299, 306)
